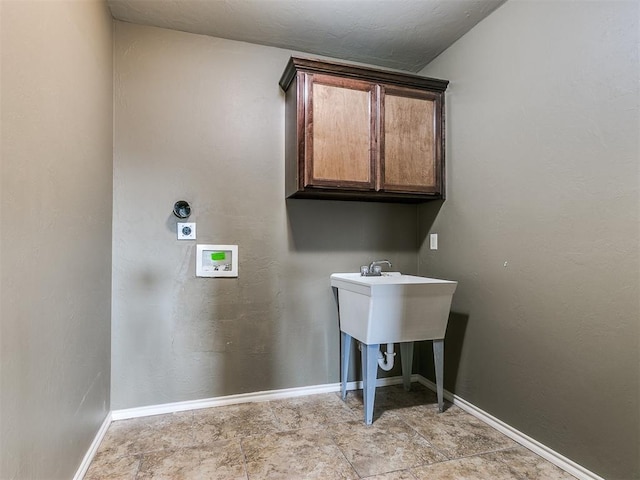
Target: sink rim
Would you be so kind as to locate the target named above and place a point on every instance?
(387, 278)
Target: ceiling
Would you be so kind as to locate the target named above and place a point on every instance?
(399, 34)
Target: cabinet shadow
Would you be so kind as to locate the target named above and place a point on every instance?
(427, 214)
(331, 225)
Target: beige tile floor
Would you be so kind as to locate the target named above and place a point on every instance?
(317, 437)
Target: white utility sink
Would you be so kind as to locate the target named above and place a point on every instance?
(393, 308)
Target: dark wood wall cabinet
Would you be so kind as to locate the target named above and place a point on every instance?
(356, 133)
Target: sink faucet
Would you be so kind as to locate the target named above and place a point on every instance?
(374, 269)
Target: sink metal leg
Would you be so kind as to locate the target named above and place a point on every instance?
(438, 357)
(406, 357)
(344, 363)
(369, 376)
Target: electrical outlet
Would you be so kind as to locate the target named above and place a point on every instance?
(186, 231)
(433, 241)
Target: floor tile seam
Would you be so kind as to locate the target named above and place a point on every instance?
(144, 453)
(248, 435)
(446, 460)
(337, 422)
(383, 473)
(244, 459)
(317, 425)
(504, 462)
(139, 466)
(464, 427)
(280, 425)
(110, 456)
(480, 454)
(408, 470)
(429, 463)
(322, 433)
(277, 421)
(417, 432)
(513, 472)
(193, 427)
(344, 455)
(417, 465)
(286, 429)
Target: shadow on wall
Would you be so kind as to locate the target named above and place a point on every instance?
(427, 214)
(453, 344)
(329, 225)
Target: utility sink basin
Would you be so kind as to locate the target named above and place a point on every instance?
(393, 308)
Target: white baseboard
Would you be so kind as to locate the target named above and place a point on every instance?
(536, 447)
(243, 398)
(548, 454)
(93, 448)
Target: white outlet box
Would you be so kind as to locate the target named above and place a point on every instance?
(433, 241)
(186, 231)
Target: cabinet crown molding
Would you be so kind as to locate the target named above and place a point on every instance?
(393, 77)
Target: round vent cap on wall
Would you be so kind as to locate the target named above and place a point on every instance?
(181, 209)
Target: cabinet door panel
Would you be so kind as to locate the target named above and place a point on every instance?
(411, 141)
(340, 133)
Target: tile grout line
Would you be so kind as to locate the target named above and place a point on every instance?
(500, 460)
(344, 455)
(429, 442)
(408, 470)
(244, 459)
(139, 466)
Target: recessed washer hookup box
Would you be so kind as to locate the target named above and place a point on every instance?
(217, 261)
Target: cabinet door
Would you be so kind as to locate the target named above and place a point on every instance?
(410, 141)
(340, 133)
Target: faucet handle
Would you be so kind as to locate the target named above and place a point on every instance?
(364, 271)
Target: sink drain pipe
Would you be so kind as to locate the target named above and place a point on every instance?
(385, 361)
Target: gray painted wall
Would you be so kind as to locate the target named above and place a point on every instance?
(55, 250)
(541, 224)
(543, 175)
(202, 119)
